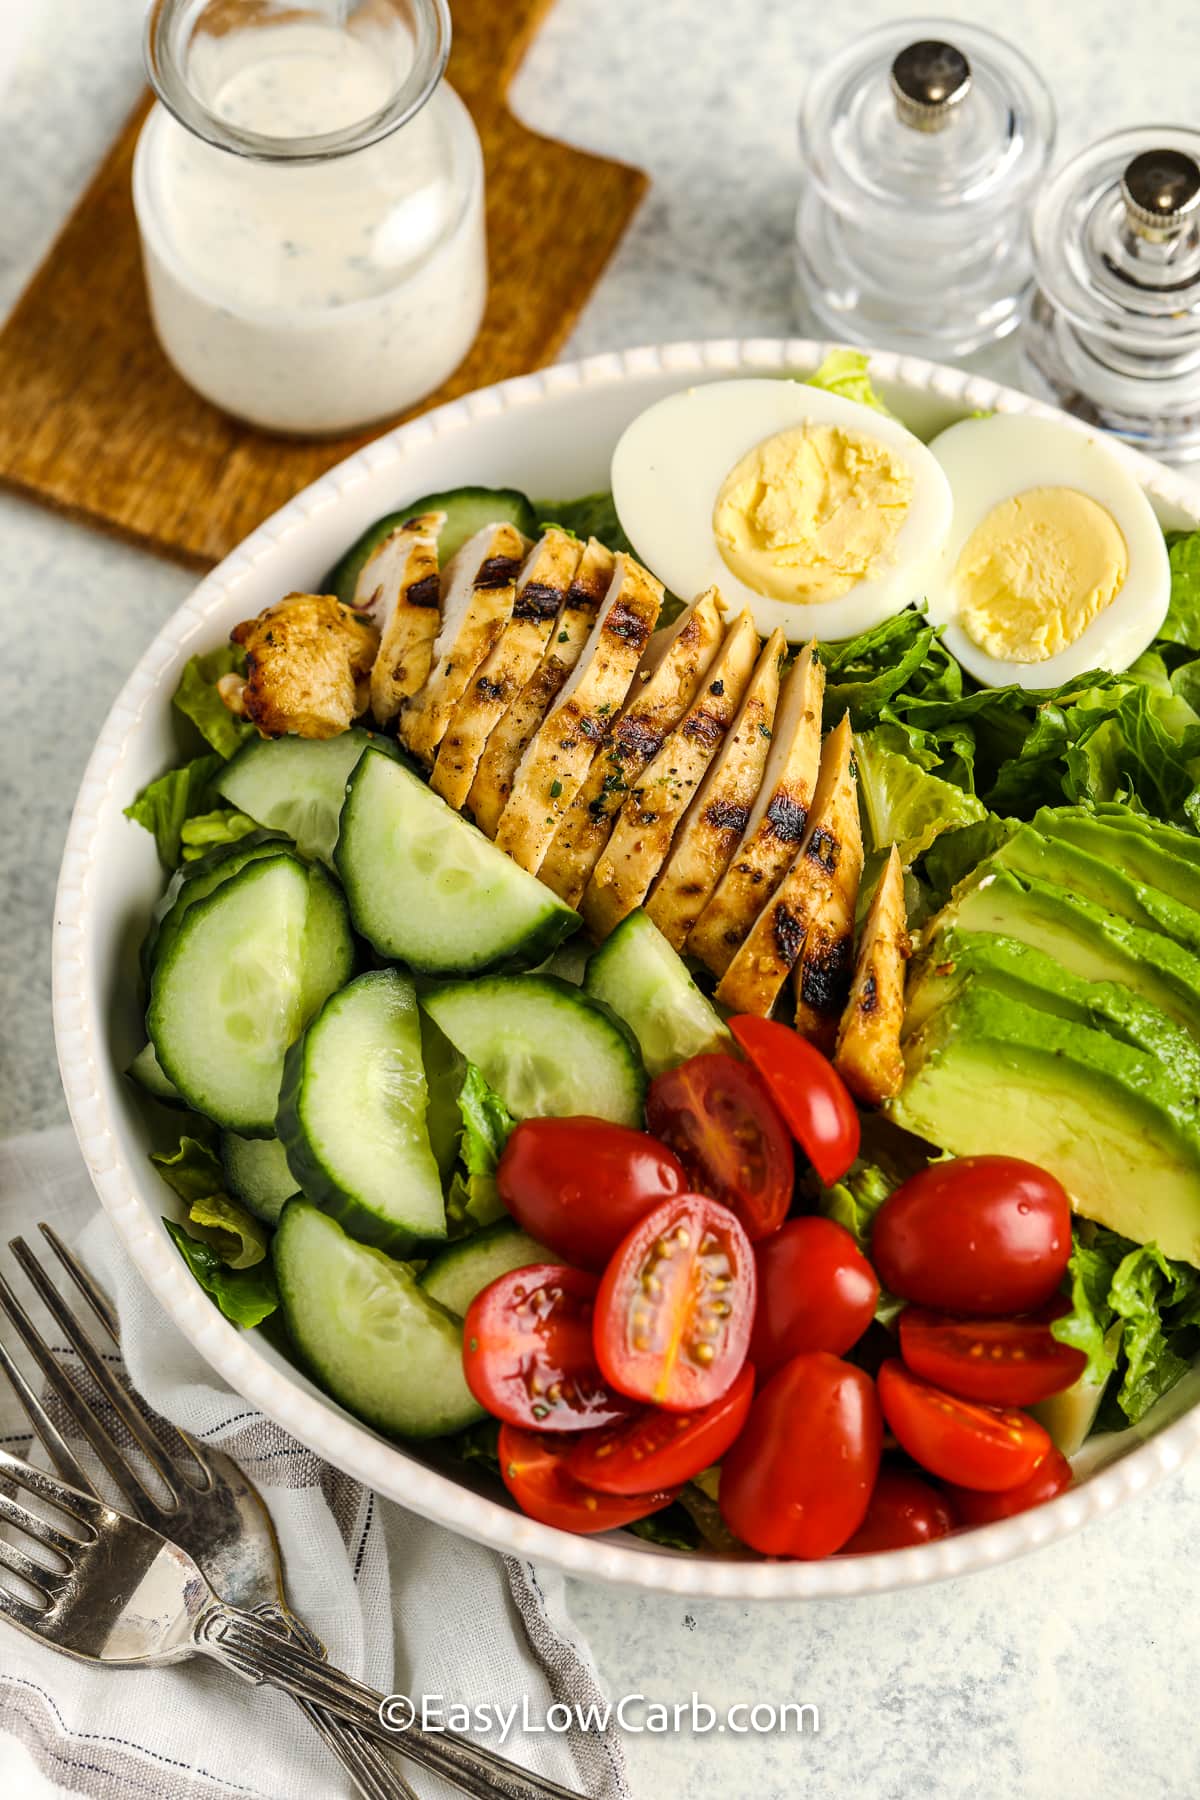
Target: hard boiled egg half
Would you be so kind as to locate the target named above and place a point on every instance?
(822, 516)
(1055, 562)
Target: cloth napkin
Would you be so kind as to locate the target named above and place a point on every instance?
(400, 1603)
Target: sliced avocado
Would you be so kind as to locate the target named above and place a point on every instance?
(1136, 853)
(1170, 838)
(1087, 940)
(1101, 1116)
(1027, 852)
(1029, 975)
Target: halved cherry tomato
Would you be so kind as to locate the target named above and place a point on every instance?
(807, 1089)
(985, 1235)
(534, 1470)
(1006, 1362)
(527, 1350)
(578, 1185)
(816, 1291)
(675, 1306)
(975, 1446)
(720, 1121)
(662, 1449)
(799, 1479)
(904, 1510)
(1052, 1475)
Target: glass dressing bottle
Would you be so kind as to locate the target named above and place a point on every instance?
(309, 193)
(1114, 328)
(922, 143)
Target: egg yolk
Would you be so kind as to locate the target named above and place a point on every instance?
(1036, 571)
(809, 513)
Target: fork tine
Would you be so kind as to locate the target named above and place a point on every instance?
(19, 1612)
(60, 1452)
(73, 1501)
(35, 1573)
(13, 1514)
(132, 1416)
(83, 1281)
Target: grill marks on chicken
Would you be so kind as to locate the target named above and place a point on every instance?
(308, 660)
(399, 591)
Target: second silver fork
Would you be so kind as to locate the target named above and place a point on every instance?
(220, 1521)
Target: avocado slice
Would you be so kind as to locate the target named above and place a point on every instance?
(1029, 975)
(1083, 937)
(1170, 838)
(1105, 882)
(1100, 1115)
(1136, 853)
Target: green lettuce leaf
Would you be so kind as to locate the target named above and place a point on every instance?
(197, 699)
(1182, 623)
(193, 1170)
(845, 372)
(224, 826)
(165, 805)
(593, 516)
(245, 1296)
(674, 1528)
(474, 1198)
(195, 1173)
(904, 804)
(854, 1201)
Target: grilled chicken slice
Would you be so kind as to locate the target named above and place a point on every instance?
(777, 821)
(510, 739)
(544, 579)
(663, 689)
(717, 816)
(868, 1055)
(826, 965)
(307, 663)
(777, 938)
(641, 837)
(398, 590)
(477, 585)
(560, 752)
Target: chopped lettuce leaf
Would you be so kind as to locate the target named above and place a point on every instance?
(194, 1170)
(1182, 623)
(674, 1528)
(245, 1296)
(238, 1238)
(224, 826)
(477, 1444)
(197, 699)
(846, 372)
(953, 856)
(474, 1198)
(904, 804)
(593, 516)
(165, 805)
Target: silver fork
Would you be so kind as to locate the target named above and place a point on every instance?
(219, 1519)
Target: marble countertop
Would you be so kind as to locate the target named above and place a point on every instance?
(1069, 1674)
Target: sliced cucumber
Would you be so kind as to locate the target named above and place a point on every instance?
(196, 879)
(257, 1174)
(467, 509)
(370, 1337)
(426, 888)
(297, 785)
(328, 942)
(640, 976)
(352, 1115)
(462, 1270)
(145, 1070)
(548, 1051)
(228, 994)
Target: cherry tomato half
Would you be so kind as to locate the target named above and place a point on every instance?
(534, 1470)
(1006, 1362)
(675, 1306)
(799, 1479)
(1052, 1475)
(579, 1185)
(816, 1291)
(662, 1449)
(974, 1446)
(814, 1100)
(986, 1235)
(527, 1350)
(904, 1510)
(720, 1121)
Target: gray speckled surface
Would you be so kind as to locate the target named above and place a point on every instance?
(1070, 1674)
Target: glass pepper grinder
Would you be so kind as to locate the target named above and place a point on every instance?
(1114, 328)
(922, 144)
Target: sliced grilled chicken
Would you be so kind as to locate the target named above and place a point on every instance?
(307, 663)
(664, 688)
(777, 821)
(399, 591)
(868, 1054)
(560, 752)
(544, 579)
(826, 965)
(511, 737)
(717, 816)
(777, 938)
(477, 585)
(641, 837)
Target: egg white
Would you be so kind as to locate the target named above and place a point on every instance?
(988, 461)
(670, 464)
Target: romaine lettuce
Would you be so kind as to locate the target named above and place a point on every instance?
(904, 804)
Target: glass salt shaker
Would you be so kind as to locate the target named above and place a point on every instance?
(922, 143)
(309, 193)
(1114, 329)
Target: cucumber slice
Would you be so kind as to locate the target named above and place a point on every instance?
(548, 1051)
(370, 1337)
(328, 942)
(639, 975)
(145, 1070)
(426, 888)
(462, 1270)
(196, 879)
(257, 1174)
(228, 993)
(297, 785)
(352, 1115)
(467, 510)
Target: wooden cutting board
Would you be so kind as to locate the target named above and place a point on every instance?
(95, 421)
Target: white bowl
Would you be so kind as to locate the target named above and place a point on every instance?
(551, 434)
